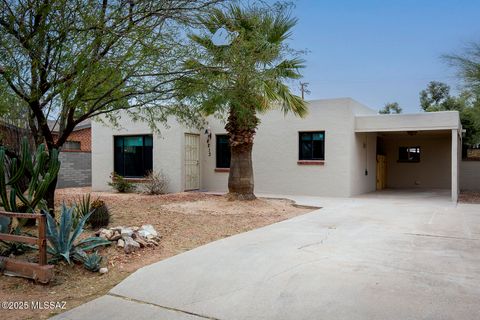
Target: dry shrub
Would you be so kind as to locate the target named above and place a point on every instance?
(156, 183)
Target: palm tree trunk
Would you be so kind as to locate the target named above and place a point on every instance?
(240, 179)
(241, 134)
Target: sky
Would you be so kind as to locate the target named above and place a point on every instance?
(382, 51)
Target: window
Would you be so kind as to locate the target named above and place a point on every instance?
(133, 155)
(312, 145)
(409, 154)
(222, 151)
(71, 145)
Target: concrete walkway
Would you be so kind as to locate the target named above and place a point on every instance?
(379, 256)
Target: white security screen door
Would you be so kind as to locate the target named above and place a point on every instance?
(192, 161)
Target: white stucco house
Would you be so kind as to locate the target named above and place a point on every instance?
(341, 148)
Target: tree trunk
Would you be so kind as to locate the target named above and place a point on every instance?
(240, 179)
(241, 132)
(50, 197)
(50, 194)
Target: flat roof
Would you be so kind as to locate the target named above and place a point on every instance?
(442, 120)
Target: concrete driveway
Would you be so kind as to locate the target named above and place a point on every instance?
(379, 256)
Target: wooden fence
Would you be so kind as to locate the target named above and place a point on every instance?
(41, 271)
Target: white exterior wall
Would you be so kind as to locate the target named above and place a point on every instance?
(276, 148)
(364, 158)
(444, 120)
(168, 151)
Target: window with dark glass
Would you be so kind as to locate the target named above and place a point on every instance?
(133, 155)
(409, 154)
(222, 151)
(312, 145)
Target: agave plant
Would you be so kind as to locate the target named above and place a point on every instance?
(16, 248)
(62, 236)
(92, 262)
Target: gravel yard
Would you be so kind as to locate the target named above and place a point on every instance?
(184, 221)
(469, 197)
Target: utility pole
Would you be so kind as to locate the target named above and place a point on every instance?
(303, 89)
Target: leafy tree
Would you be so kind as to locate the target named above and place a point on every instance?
(436, 97)
(242, 77)
(468, 66)
(73, 60)
(390, 108)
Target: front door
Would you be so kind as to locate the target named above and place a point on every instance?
(192, 161)
(381, 172)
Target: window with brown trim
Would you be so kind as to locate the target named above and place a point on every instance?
(311, 145)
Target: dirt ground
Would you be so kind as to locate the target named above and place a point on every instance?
(184, 221)
(469, 197)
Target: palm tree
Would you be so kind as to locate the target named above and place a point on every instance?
(242, 78)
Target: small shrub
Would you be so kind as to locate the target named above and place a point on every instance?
(100, 216)
(156, 183)
(120, 184)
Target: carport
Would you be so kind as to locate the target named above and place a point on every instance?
(416, 151)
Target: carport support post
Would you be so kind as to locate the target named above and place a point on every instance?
(454, 165)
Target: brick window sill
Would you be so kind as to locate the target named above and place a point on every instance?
(222, 169)
(136, 180)
(311, 162)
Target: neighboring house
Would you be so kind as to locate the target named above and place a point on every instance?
(341, 148)
(11, 135)
(75, 156)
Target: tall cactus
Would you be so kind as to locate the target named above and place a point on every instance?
(41, 170)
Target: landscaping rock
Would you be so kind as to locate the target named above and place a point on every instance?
(142, 242)
(131, 238)
(105, 233)
(130, 245)
(126, 232)
(116, 236)
(144, 233)
(155, 243)
(121, 243)
(103, 270)
(150, 229)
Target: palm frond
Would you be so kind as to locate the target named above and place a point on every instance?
(279, 94)
(281, 28)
